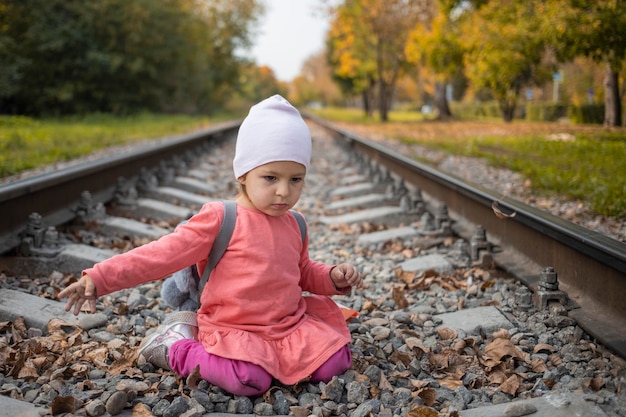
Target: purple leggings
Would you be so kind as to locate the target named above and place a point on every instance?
(240, 377)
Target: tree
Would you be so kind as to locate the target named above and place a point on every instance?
(367, 43)
(120, 56)
(504, 50)
(314, 84)
(595, 29)
(349, 54)
(435, 43)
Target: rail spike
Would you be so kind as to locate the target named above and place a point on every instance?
(548, 289)
(37, 240)
(125, 193)
(88, 209)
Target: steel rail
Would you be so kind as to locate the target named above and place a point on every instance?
(54, 195)
(591, 267)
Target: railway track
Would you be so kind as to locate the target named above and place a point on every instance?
(562, 264)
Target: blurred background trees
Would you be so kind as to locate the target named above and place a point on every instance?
(534, 59)
(120, 56)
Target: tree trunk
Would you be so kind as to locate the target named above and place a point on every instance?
(383, 101)
(366, 103)
(507, 108)
(441, 101)
(612, 101)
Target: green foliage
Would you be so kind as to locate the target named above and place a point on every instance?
(504, 50)
(27, 143)
(489, 110)
(545, 112)
(587, 113)
(119, 56)
(353, 115)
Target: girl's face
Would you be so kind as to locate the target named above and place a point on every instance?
(273, 188)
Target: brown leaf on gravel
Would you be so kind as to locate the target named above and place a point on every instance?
(134, 373)
(544, 347)
(452, 380)
(141, 410)
(538, 365)
(555, 359)
(428, 395)
(406, 276)
(193, 378)
(500, 348)
(399, 297)
(487, 284)
(414, 342)
(402, 357)
(123, 361)
(445, 333)
(20, 332)
(62, 405)
(418, 383)
(501, 334)
(511, 385)
(422, 411)
(595, 383)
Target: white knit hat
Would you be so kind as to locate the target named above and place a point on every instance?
(273, 131)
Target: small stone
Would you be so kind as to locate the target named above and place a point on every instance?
(357, 392)
(91, 321)
(362, 410)
(333, 390)
(519, 409)
(132, 385)
(263, 409)
(116, 403)
(95, 408)
(177, 407)
(299, 411)
(380, 333)
(281, 404)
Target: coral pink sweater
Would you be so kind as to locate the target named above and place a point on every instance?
(252, 308)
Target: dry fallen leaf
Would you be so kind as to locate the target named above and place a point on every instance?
(428, 395)
(445, 333)
(499, 213)
(399, 298)
(422, 411)
(406, 276)
(193, 378)
(500, 348)
(511, 385)
(544, 347)
(62, 405)
(141, 410)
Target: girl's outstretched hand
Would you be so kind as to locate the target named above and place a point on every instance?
(345, 275)
(79, 292)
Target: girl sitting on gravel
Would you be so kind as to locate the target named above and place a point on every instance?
(253, 324)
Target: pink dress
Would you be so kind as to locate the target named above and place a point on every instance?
(252, 308)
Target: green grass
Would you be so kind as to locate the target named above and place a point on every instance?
(590, 168)
(27, 143)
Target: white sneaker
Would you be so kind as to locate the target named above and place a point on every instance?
(154, 349)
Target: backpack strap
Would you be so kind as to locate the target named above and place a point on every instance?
(301, 223)
(221, 242)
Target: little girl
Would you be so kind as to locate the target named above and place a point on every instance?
(253, 324)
